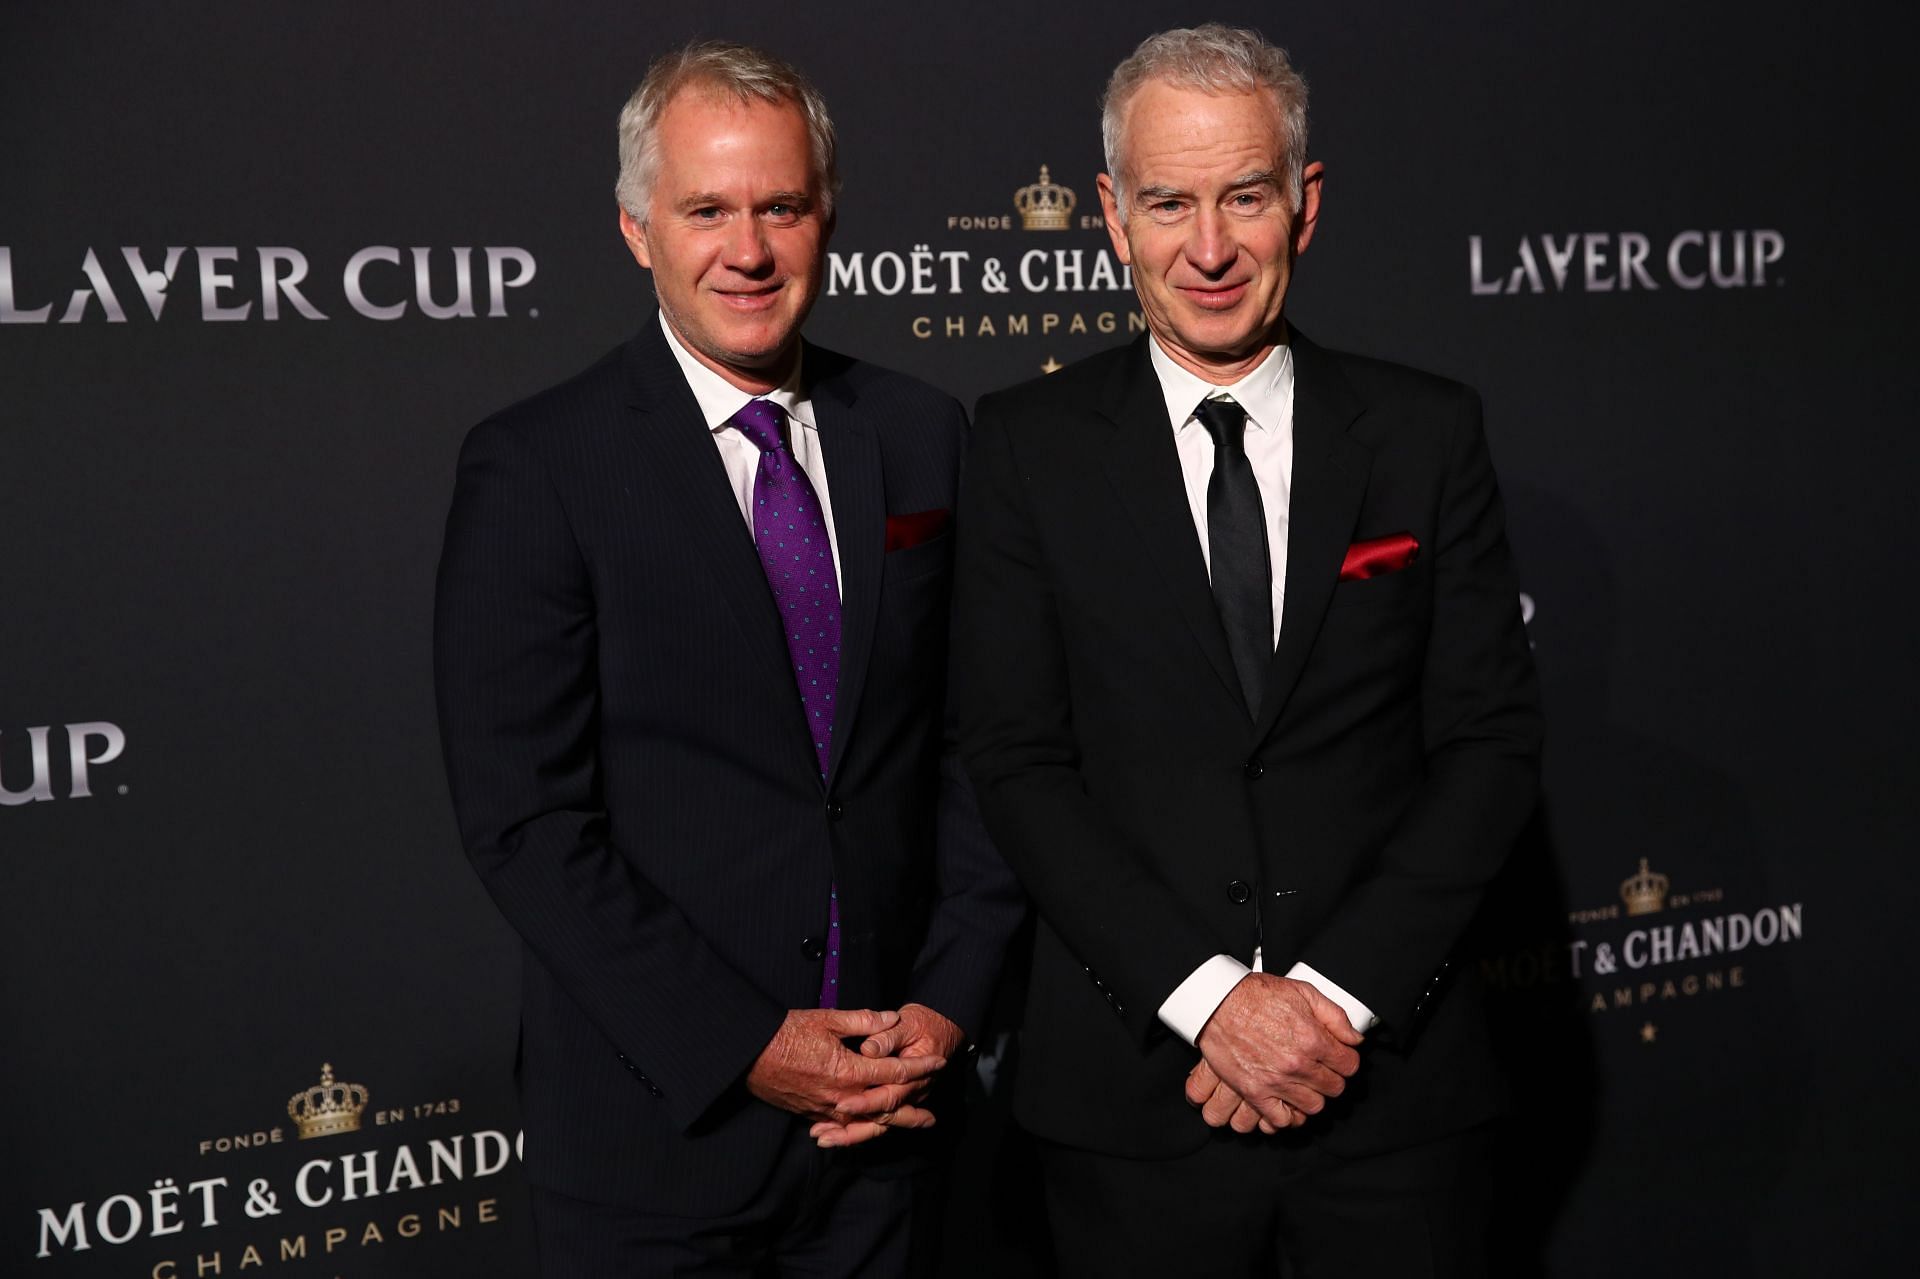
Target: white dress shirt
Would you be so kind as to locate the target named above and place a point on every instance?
(720, 399)
(1266, 394)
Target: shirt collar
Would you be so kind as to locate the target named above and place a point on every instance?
(720, 399)
(1266, 393)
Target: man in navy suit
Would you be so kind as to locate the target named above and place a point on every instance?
(691, 651)
(1243, 687)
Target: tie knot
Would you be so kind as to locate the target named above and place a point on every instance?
(763, 422)
(1225, 421)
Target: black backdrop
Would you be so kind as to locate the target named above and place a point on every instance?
(1663, 243)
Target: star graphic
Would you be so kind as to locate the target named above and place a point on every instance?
(1051, 366)
(1648, 1033)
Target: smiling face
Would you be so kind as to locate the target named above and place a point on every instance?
(1210, 230)
(734, 234)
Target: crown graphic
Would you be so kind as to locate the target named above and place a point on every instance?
(327, 1107)
(1646, 892)
(1046, 205)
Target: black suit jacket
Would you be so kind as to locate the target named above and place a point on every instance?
(1352, 824)
(637, 789)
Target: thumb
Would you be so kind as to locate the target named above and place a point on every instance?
(884, 1044)
(860, 1021)
(1334, 1019)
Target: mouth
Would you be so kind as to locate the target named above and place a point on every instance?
(749, 301)
(1215, 297)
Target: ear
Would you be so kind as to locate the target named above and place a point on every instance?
(635, 234)
(1111, 211)
(1312, 181)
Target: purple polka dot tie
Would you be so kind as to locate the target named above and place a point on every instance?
(790, 532)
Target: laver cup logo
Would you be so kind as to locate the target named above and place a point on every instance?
(1626, 261)
(231, 284)
(28, 776)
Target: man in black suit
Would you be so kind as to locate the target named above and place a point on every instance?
(1246, 699)
(690, 648)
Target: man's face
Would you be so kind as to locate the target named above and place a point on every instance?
(1211, 233)
(734, 234)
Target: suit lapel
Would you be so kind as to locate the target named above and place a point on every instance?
(675, 440)
(1330, 470)
(857, 492)
(1144, 467)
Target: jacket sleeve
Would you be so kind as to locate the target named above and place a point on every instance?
(1016, 733)
(1389, 939)
(978, 905)
(515, 680)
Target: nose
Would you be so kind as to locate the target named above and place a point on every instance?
(1211, 248)
(747, 249)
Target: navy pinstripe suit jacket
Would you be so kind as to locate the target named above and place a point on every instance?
(637, 789)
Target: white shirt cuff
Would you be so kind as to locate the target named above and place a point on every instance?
(1358, 1013)
(1186, 1010)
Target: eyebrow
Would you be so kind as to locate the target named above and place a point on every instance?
(1148, 195)
(711, 199)
(1256, 178)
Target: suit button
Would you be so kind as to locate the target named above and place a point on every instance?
(1238, 892)
(834, 810)
(1254, 769)
(812, 947)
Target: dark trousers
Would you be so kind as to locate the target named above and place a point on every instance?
(1245, 1206)
(824, 1213)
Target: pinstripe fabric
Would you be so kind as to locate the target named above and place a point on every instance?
(635, 786)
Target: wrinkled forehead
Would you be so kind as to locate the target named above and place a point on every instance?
(708, 135)
(1165, 123)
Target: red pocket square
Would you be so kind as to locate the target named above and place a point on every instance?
(920, 526)
(1376, 555)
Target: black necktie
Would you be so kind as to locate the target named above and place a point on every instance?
(1237, 548)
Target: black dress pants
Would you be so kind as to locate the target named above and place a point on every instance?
(822, 1213)
(1247, 1206)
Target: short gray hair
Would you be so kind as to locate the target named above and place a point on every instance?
(1213, 58)
(723, 67)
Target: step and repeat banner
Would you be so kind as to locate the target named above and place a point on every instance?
(261, 266)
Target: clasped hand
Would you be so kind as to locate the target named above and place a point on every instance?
(854, 1095)
(1273, 1052)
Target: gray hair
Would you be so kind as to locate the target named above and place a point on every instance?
(1213, 58)
(725, 68)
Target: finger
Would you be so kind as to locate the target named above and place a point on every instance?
(1334, 1018)
(1266, 1127)
(851, 1134)
(845, 1022)
(829, 1135)
(884, 1044)
(867, 1071)
(1201, 1081)
(1341, 1059)
(1274, 1111)
(910, 1117)
(1220, 1106)
(1302, 1098)
(1319, 1078)
(1245, 1118)
(879, 1100)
